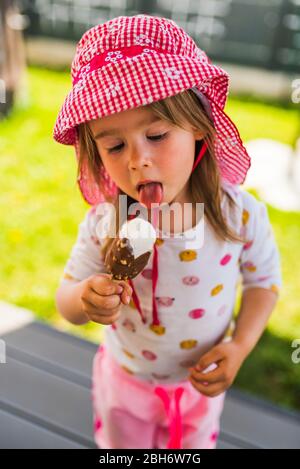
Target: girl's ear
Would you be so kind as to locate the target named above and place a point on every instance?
(198, 134)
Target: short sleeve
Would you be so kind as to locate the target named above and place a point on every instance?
(86, 258)
(260, 264)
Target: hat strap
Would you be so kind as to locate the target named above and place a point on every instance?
(201, 154)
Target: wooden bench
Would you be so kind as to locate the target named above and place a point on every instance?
(45, 398)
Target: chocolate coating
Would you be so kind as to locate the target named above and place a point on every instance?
(120, 260)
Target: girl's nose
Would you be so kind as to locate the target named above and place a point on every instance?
(139, 160)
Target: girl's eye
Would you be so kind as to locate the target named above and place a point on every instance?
(157, 137)
(153, 137)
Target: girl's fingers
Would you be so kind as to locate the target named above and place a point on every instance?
(103, 302)
(212, 377)
(105, 294)
(104, 285)
(127, 292)
(211, 390)
(126, 286)
(125, 298)
(214, 355)
(101, 317)
(106, 320)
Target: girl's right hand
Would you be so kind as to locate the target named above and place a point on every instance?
(102, 298)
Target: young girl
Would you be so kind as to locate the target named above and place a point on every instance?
(146, 106)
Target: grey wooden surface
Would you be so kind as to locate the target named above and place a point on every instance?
(45, 398)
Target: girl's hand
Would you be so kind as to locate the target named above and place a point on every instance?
(102, 298)
(225, 359)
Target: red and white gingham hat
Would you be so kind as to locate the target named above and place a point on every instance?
(131, 61)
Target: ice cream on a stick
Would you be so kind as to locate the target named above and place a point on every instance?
(131, 249)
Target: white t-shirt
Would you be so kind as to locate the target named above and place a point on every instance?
(195, 293)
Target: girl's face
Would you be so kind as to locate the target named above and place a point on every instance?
(141, 146)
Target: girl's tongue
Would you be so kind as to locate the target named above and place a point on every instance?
(151, 193)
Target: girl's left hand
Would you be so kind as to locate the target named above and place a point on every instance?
(227, 358)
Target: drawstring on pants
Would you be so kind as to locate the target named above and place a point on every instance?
(173, 412)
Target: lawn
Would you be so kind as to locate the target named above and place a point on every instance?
(41, 208)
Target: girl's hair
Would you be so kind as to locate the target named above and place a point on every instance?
(205, 181)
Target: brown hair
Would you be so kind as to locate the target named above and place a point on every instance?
(205, 181)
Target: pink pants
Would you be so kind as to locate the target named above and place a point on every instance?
(133, 414)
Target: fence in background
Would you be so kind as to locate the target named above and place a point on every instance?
(263, 33)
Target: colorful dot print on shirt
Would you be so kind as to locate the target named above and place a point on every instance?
(216, 290)
(128, 370)
(197, 313)
(274, 288)
(248, 245)
(195, 293)
(157, 329)
(159, 242)
(130, 355)
(188, 344)
(165, 301)
(68, 276)
(246, 216)
(129, 325)
(248, 266)
(226, 259)
(149, 355)
(190, 280)
(188, 255)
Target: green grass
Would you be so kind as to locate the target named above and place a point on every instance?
(41, 208)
